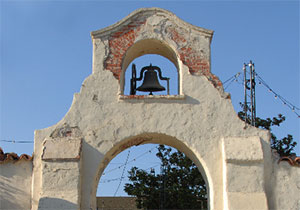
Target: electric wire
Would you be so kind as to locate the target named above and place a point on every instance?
(229, 83)
(231, 79)
(233, 76)
(117, 179)
(132, 160)
(17, 142)
(285, 102)
(239, 82)
(112, 180)
(152, 167)
(276, 94)
(122, 176)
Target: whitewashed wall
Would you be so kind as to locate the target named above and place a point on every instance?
(284, 186)
(15, 185)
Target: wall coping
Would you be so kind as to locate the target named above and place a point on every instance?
(151, 97)
(107, 30)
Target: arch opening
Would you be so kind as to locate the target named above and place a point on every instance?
(124, 151)
(148, 47)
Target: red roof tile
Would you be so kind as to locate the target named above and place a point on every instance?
(292, 160)
(12, 156)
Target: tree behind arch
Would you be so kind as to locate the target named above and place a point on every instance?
(178, 186)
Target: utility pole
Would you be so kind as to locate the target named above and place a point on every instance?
(249, 93)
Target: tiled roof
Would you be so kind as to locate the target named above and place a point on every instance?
(292, 160)
(12, 156)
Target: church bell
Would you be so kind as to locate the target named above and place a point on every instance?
(150, 82)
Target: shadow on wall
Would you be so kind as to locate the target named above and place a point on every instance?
(15, 182)
(9, 195)
(56, 203)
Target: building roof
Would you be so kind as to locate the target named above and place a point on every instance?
(4, 157)
(293, 160)
(109, 203)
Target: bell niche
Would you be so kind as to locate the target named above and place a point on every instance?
(161, 55)
(151, 75)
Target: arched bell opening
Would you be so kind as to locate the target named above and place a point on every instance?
(166, 80)
(124, 156)
(157, 61)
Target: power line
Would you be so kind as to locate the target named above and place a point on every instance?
(233, 76)
(112, 180)
(151, 167)
(132, 160)
(231, 79)
(122, 176)
(276, 94)
(236, 78)
(285, 102)
(117, 179)
(17, 142)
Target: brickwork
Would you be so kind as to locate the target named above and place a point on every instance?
(197, 63)
(119, 42)
(191, 54)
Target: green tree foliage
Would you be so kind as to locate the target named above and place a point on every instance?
(178, 186)
(284, 146)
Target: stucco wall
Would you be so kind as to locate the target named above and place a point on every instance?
(284, 190)
(15, 185)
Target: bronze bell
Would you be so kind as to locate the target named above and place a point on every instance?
(151, 83)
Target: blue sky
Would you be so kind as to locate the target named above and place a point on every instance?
(46, 53)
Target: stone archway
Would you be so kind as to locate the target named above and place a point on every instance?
(150, 138)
